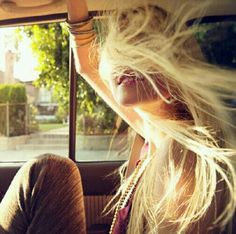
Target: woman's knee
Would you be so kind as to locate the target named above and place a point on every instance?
(56, 162)
(49, 166)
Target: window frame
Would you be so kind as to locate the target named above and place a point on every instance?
(72, 72)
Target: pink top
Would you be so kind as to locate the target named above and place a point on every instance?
(124, 213)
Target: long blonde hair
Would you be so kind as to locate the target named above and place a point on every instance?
(200, 150)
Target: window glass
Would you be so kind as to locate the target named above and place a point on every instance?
(33, 91)
(97, 124)
(218, 43)
(34, 95)
(101, 134)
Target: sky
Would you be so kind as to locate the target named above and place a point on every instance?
(24, 68)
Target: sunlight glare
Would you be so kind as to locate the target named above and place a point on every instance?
(25, 62)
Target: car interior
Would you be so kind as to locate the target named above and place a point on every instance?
(98, 177)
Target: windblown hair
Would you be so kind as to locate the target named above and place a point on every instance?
(198, 177)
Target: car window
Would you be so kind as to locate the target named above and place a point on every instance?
(34, 101)
(218, 44)
(97, 124)
(101, 135)
(34, 95)
(33, 91)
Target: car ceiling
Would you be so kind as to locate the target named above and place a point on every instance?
(18, 9)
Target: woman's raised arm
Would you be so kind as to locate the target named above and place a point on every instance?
(78, 18)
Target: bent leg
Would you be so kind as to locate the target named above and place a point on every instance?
(45, 196)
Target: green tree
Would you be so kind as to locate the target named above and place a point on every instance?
(13, 101)
(218, 43)
(50, 44)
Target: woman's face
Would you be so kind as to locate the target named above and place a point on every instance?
(131, 88)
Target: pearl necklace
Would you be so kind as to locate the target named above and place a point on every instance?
(128, 191)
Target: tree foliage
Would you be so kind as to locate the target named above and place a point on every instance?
(12, 93)
(50, 44)
(12, 109)
(218, 43)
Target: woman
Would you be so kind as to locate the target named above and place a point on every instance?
(183, 181)
(161, 85)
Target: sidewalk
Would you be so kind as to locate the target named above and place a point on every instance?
(57, 131)
(55, 142)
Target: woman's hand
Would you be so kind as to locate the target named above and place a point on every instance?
(77, 10)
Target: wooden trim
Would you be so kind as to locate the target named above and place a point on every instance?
(37, 19)
(33, 20)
